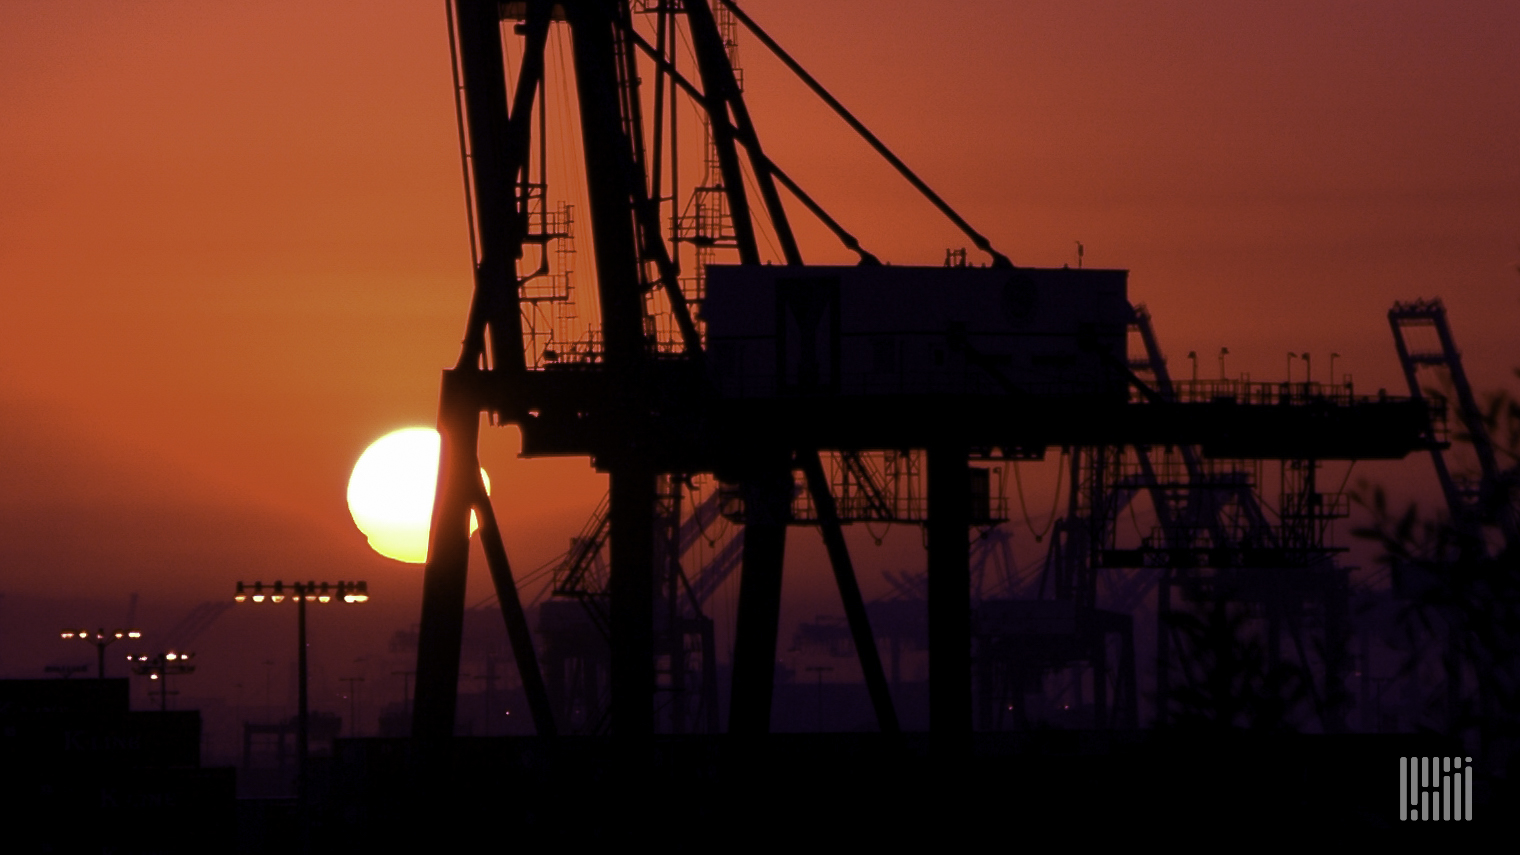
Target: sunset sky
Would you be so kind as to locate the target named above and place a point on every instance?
(233, 245)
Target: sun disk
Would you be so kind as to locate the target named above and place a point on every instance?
(390, 493)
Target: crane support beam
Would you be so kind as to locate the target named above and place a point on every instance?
(760, 162)
(849, 592)
(443, 580)
(512, 613)
(723, 94)
(610, 181)
(718, 81)
(494, 174)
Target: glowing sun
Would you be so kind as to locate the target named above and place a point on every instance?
(390, 493)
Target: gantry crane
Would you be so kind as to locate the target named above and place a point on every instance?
(785, 365)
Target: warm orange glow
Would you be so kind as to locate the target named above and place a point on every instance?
(390, 493)
(258, 264)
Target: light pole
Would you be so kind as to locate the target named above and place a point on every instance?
(489, 696)
(406, 692)
(268, 684)
(302, 592)
(101, 639)
(820, 669)
(353, 703)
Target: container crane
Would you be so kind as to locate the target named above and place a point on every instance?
(785, 364)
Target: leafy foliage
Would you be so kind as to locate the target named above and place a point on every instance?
(1457, 578)
(1231, 683)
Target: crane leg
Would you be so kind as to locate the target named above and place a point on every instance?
(949, 591)
(849, 592)
(631, 592)
(512, 613)
(767, 505)
(443, 580)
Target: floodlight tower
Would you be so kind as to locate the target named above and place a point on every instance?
(101, 639)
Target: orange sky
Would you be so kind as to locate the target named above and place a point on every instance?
(233, 246)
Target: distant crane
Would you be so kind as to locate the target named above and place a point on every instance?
(1481, 507)
(199, 619)
(1472, 503)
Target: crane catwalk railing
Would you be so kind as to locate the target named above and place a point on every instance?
(1245, 391)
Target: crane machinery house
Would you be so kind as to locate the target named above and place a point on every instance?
(781, 331)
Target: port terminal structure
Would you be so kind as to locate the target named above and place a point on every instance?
(763, 375)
